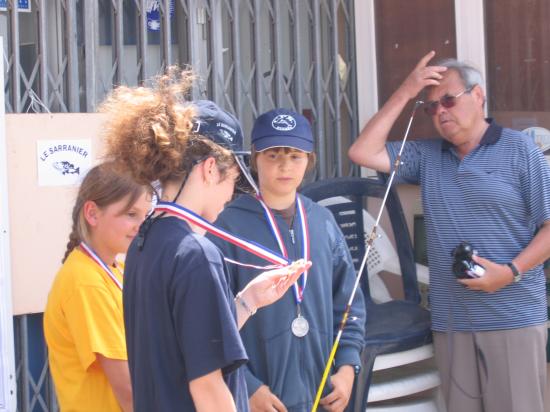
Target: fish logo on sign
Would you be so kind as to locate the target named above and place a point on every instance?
(66, 168)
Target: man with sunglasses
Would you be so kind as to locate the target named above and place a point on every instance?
(489, 186)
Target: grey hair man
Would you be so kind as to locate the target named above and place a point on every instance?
(489, 186)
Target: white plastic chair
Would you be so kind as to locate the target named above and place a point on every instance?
(382, 256)
(400, 374)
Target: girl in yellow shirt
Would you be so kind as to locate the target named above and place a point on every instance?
(83, 321)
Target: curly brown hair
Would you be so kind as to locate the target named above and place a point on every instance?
(149, 130)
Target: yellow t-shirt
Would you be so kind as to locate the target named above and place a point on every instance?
(83, 317)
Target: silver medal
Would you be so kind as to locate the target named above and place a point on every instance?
(300, 326)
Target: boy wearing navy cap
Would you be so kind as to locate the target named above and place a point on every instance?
(289, 342)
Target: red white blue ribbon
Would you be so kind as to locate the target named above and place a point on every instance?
(88, 251)
(254, 248)
(248, 265)
(300, 285)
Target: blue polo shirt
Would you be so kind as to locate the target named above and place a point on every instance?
(496, 198)
(180, 319)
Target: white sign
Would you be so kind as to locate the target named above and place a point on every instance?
(63, 162)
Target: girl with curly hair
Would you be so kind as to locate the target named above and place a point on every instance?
(83, 322)
(182, 320)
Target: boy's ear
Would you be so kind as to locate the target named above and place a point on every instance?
(311, 161)
(91, 212)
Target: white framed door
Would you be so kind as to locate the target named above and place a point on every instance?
(8, 394)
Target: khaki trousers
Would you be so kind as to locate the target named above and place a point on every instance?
(493, 371)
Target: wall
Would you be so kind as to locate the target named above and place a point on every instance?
(39, 216)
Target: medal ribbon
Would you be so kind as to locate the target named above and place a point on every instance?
(248, 265)
(88, 251)
(254, 248)
(299, 286)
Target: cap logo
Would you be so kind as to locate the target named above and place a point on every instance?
(226, 126)
(225, 134)
(283, 122)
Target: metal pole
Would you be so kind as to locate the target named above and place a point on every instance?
(217, 69)
(237, 66)
(195, 34)
(15, 68)
(352, 79)
(166, 30)
(142, 41)
(72, 56)
(337, 127)
(24, 342)
(42, 48)
(118, 42)
(278, 47)
(319, 90)
(257, 57)
(298, 57)
(90, 45)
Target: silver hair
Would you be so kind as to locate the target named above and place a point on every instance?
(469, 75)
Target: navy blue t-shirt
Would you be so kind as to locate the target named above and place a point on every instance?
(180, 318)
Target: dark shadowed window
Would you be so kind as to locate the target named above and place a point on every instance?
(405, 31)
(518, 65)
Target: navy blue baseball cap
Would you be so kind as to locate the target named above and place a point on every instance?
(223, 129)
(218, 125)
(282, 128)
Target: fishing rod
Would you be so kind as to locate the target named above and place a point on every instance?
(372, 236)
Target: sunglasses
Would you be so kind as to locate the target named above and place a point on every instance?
(447, 101)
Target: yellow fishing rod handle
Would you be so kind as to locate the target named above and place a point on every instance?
(326, 372)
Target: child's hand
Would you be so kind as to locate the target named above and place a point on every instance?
(342, 384)
(264, 400)
(270, 286)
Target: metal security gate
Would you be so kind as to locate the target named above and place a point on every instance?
(35, 388)
(251, 56)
